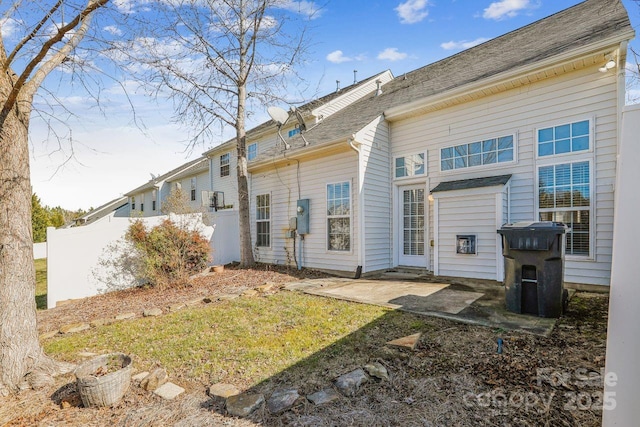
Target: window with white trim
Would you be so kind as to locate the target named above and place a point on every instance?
(410, 165)
(224, 165)
(339, 216)
(479, 153)
(568, 138)
(564, 195)
(154, 198)
(263, 220)
(194, 182)
(252, 151)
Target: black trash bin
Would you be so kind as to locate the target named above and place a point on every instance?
(534, 267)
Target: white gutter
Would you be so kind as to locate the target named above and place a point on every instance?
(355, 145)
(603, 46)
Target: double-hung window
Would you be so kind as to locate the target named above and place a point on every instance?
(565, 188)
(252, 151)
(339, 216)
(193, 188)
(263, 220)
(224, 165)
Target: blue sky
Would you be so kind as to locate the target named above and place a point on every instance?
(111, 155)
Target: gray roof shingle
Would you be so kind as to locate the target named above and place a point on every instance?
(464, 184)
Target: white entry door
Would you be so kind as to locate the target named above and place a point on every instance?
(412, 248)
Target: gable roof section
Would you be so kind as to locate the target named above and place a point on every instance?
(580, 26)
(465, 184)
(305, 109)
(158, 181)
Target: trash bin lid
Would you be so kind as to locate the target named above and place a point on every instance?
(534, 225)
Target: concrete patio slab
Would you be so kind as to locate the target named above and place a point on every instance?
(479, 305)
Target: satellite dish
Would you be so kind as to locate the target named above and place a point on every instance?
(301, 123)
(278, 115)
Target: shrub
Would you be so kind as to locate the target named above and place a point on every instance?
(167, 254)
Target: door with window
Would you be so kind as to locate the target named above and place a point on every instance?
(412, 246)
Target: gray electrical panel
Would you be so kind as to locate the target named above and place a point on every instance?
(303, 216)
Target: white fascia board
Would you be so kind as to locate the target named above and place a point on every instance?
(603, 46)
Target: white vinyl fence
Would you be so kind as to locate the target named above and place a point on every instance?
(39, 250)
(78, 256)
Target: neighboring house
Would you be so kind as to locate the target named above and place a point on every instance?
(422, 172)
(146, 200)
(117, 208)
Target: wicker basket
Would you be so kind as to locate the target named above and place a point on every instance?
(103, 390)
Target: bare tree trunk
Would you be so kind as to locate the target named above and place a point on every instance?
(19, 345)
(246, 251)
(21, 357)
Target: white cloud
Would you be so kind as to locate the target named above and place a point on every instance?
(8, 26)
(337, 57)
(507, 8)
(112, 29)
(308, 8)
(412, 11)
(462, 44)
(391, 54)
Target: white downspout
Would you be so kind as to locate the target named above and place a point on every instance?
(355, 145)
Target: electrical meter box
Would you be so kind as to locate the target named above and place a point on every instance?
(302, 213)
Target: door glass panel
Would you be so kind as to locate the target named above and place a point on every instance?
(413, 222)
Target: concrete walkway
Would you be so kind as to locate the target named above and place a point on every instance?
(474, 304)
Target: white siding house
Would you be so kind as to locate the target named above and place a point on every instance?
(524, 127)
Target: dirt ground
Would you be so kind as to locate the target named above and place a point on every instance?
(454, 377)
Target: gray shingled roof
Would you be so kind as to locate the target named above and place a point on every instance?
(578, 26)
(305, 109)
(464, 184)
(158, 180)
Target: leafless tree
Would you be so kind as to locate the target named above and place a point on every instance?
(51, 31)
(220, 60)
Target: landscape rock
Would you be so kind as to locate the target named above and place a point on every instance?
(177, 306)
(267, 287)
(208, 300)
(250, 293)
(155, 379)
(74, 327)
(243, 405)
(377, 370)
(169, 391)
(194, 302)
(282, 400)
(223, 391)
(323, 396)
(409, 341)
(348, 384)
(48, 335)
(227, 297)
(100, 322)
(139, 376)
(125, 316)
(86, 354)
(151, 312)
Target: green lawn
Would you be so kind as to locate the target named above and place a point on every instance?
(243, 341)
(41, 283)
